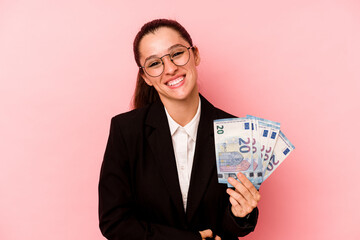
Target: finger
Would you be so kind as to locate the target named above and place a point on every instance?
(244, 207)
(235, 204)
(239, 187)
(243, 179)
(206, 233)
(217, 237)
(242, 194)
(237, 196)
(246, 182)
(237, 209)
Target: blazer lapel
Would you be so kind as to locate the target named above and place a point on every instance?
(161, 144)
(204, 158)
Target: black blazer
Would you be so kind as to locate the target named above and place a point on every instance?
(139, 191)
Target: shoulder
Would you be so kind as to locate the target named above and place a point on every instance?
(215, 112)
(222, 114)
(129, 124)
(131, 118)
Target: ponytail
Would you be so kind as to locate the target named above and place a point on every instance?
(144, 94)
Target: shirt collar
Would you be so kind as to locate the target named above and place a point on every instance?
(190, 128)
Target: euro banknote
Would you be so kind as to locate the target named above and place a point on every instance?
(282, 149)
(269, 132)
(251, 145)
(232, 146)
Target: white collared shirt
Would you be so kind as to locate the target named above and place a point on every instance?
(184, 139)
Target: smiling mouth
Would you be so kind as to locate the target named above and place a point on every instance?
(175, 81)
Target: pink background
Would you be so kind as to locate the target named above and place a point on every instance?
(66, 67)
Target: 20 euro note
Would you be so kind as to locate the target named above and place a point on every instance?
(269, 131)
(257, 174)
(233, 148)
(283, 147)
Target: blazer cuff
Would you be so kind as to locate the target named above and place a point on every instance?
(240, 226)
(249, 220)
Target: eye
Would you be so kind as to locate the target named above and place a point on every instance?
(154, 63)
(177, 53)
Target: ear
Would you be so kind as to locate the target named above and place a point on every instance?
(148, 82)
(196, 56)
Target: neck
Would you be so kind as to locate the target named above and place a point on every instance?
(183, 111)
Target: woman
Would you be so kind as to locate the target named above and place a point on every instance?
(158, 178)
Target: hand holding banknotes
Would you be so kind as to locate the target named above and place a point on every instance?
(208, 234)
(244, 198)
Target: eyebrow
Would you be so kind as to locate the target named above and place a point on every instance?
(170, 48)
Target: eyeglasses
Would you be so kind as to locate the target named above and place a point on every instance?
(179, 55)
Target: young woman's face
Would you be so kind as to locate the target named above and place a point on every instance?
(175, 83)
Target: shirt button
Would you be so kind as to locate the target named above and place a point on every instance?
(182, 168)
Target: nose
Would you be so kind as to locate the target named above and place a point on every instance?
(169, 66)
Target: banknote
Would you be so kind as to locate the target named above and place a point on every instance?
(233, 144)
(256, 152)
(251, 145)
(282, 149)
(269, 131)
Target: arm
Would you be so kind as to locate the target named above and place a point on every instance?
(117, 211)
(242, 211)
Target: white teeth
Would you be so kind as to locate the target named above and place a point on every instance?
(174, 82)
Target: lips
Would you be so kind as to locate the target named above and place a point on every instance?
(175, 81)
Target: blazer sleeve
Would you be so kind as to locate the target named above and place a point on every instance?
(117, 211)
(237, 226)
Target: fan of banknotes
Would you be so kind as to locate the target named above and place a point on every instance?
(251, 145)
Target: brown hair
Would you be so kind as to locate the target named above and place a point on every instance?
(145, 94)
